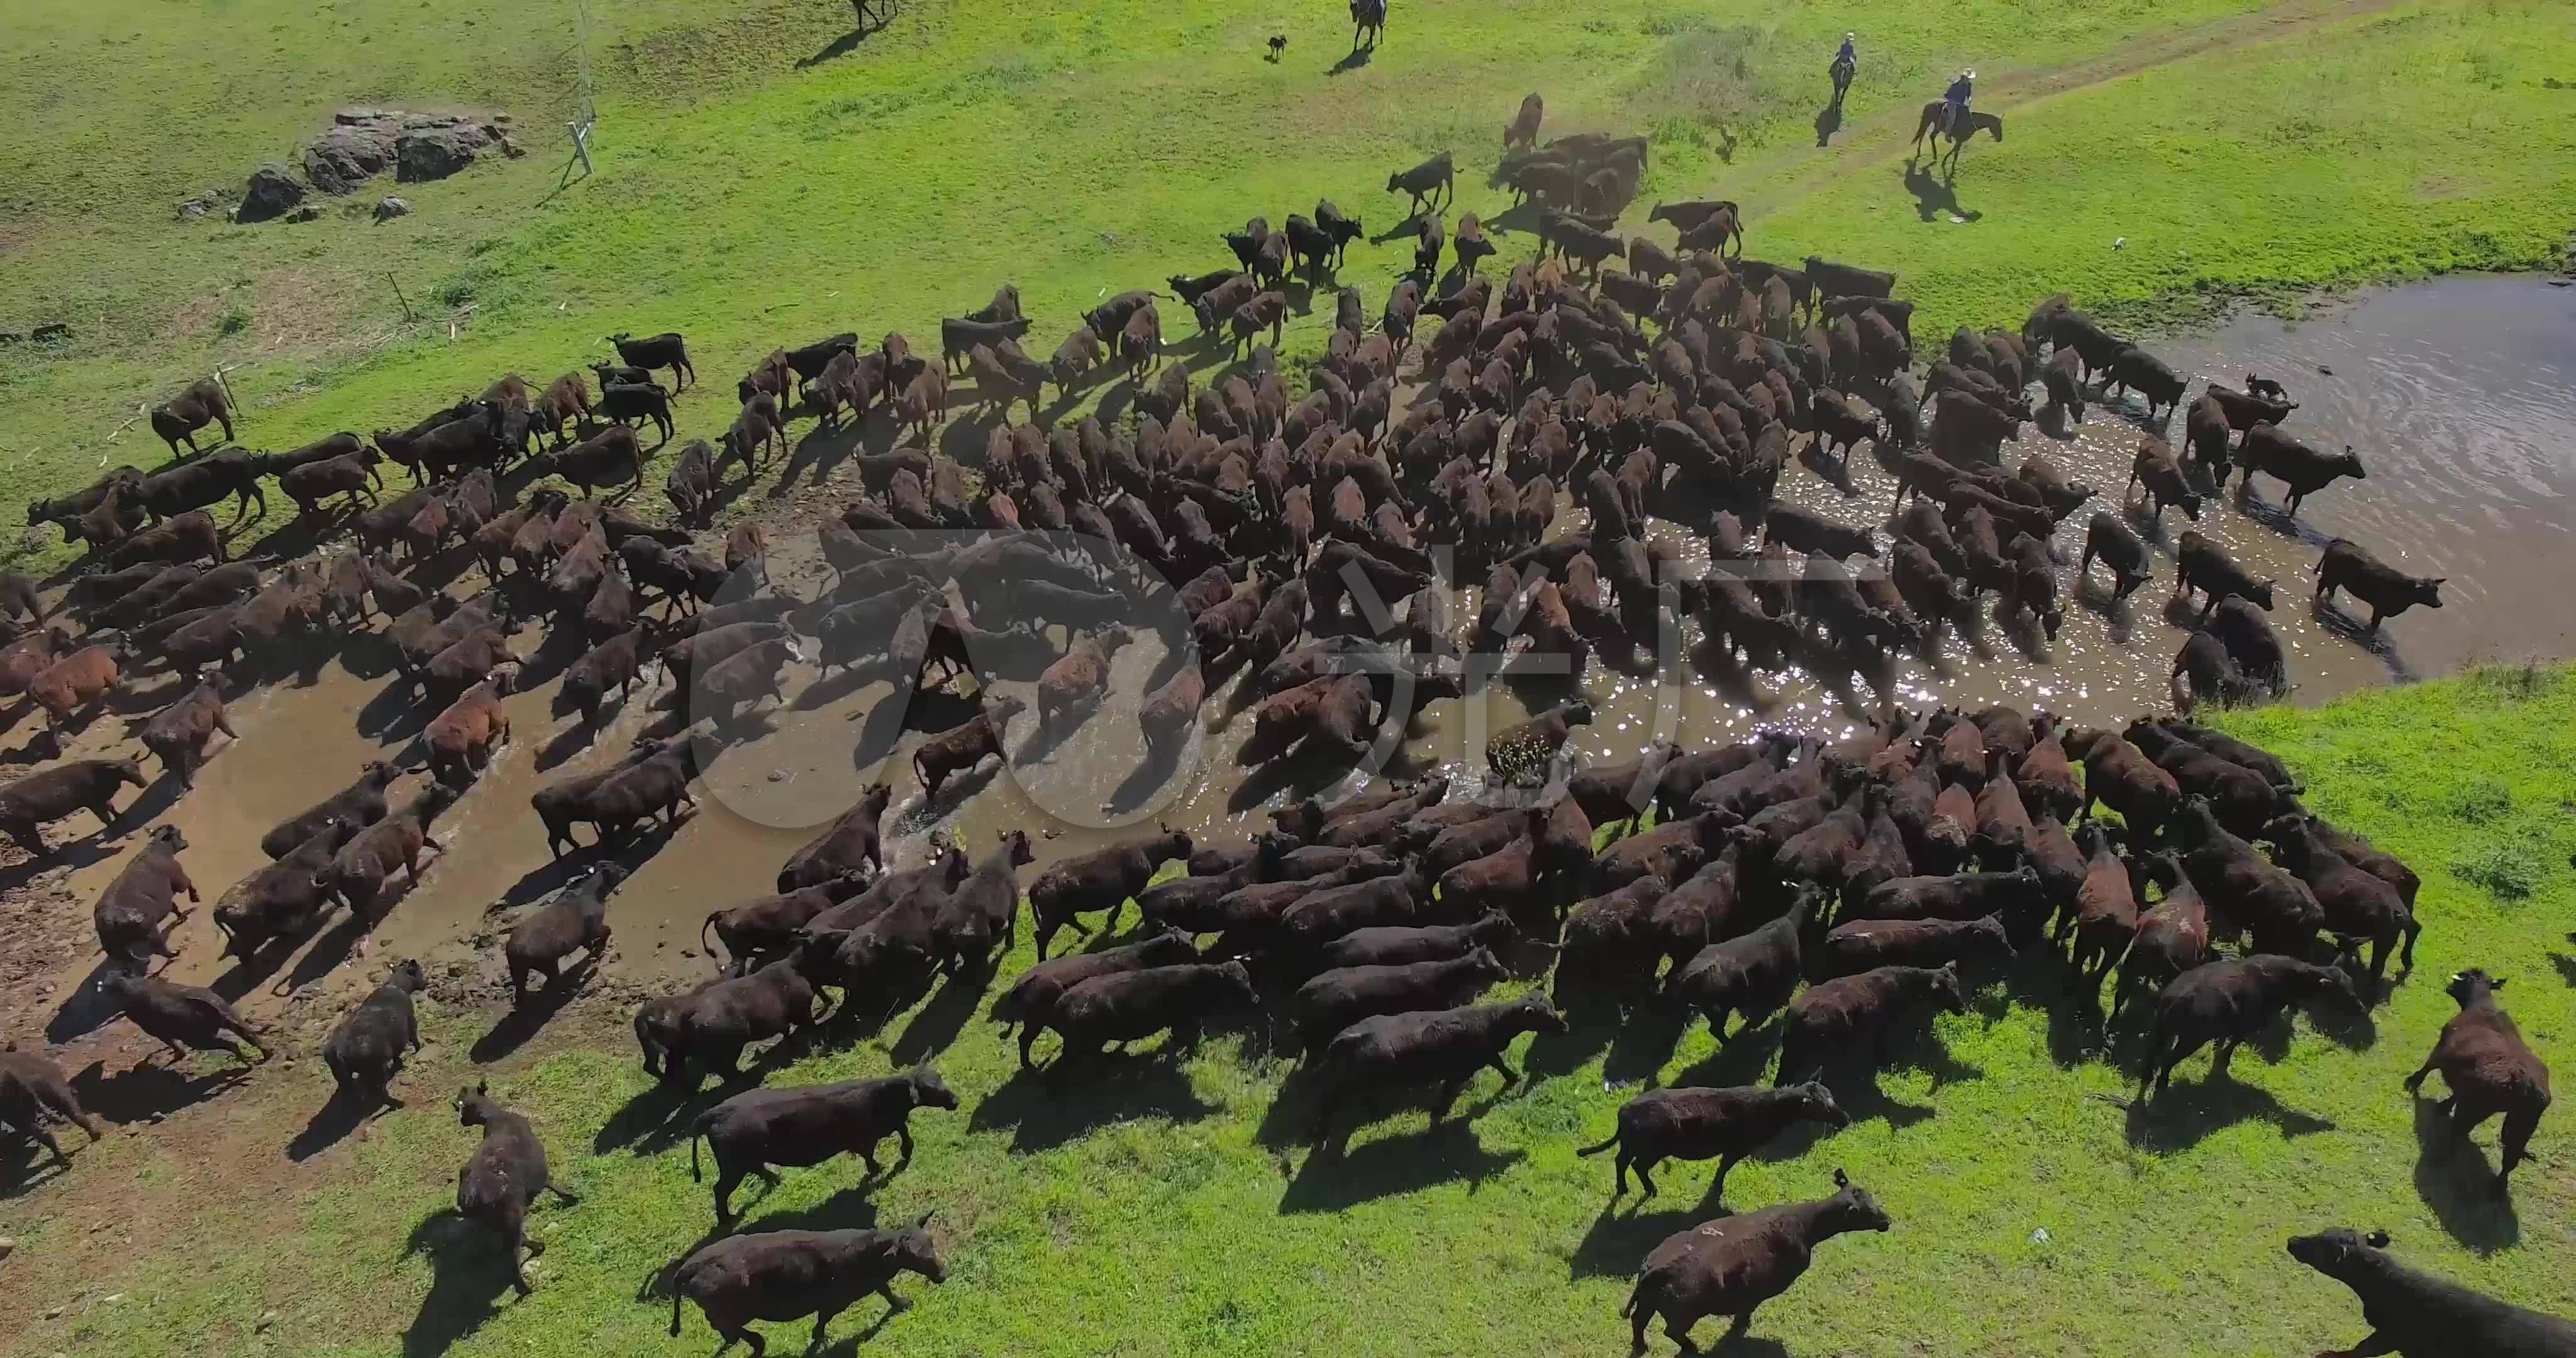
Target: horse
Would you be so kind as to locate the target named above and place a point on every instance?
(1935, 125)
(1369, 17)
(1841, 73)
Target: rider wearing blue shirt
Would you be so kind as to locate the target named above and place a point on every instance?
(1847, 56)
(1957, 98)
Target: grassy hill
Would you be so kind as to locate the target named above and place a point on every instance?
(747, 197)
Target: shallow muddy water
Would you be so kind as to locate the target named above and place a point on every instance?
(2459, 396)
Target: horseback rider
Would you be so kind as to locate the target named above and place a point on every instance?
(1848, 58)
(1955, 112)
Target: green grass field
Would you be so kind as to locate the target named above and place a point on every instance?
(747, 201)
(1169, 1206)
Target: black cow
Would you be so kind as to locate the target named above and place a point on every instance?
(810, 1124)
(2227, 1002)
(31, 1087)
(365, 1049)
(788, 1275)
(574, 920)
(1443, 1047)
(1700, 1124)
(2346, 565)
(2417, 1315)
(1730, 1266)
(665, 350)
(713, 1024)
(503, 1177)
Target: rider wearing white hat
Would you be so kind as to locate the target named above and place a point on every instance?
(1955, 115)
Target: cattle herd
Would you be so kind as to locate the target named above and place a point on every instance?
(1846, 888)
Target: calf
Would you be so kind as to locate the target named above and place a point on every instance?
(574, 920)
(136, 912)
(713, 1025)
(2136, 369)
(364, 865)
(2018, 895)
(1031, 1000)
(2120, 776)
(1802, 531)
(2227, 1002)
(614, 800)
(503, 1177)
(1397, 945)
(365, 1049)
(1336, 999)
(2300, 469)
(460, 739)
(204, 402)
(1865, 945)
(1855, 1012)
(960, 748)
(177, 735)
(810, 1124)
(980, 919)
(2417, 1315)
(2388, 591)
(1442, 1047)
(2155, 466)
(31, 1087)
(1426, 183)
(1125, 1006)
(2108, 538)
(77, 682)
(2357, 903)
(1105, 880)
(625, 405)
(181, 1017)
(1730, 1266)
(665, 350)
(284, 899)
(1702, 1124)
(788, 1275)
(852, 839)
(615, 663)
(358, 805)
(2203, 567)
(2489, 1070)
(1752, 975)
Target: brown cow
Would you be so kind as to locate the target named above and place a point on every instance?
(461, 738)
(179, 418)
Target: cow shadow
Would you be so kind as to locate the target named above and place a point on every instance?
(1934, 196)
(1741, 1060)
(145, 1091)
(2455, 1178)
(1044, 1111)
(2566, 967)
(1334, 1178)
(468, 1276)
(331, 948)
(656, 1119)
(527, 1019)
(841, 46)
(86, 1009)
(2186, 1114)
(331, 1123)
(936, 1024)
(1616, 1243)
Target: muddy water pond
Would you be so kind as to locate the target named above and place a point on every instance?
(2459, 396)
